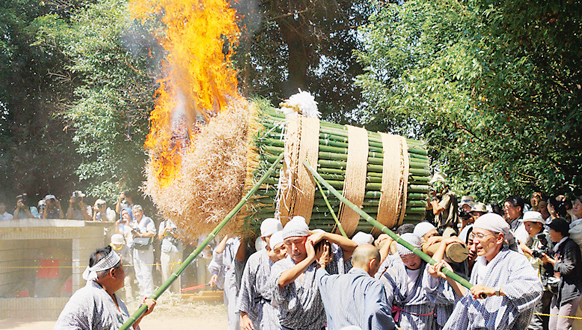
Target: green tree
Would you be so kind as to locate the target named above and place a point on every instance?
(36, 152)
(492, 86)
(113, 60)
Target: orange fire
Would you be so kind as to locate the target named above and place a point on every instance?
(199, 80)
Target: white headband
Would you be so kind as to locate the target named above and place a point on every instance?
(410, 238)
(296, 227)
(270, 226)
(495, 223)
(112, 259)
(276, 238)
(362, 238)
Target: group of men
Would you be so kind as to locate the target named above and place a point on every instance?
(306, 280)
(316, 280)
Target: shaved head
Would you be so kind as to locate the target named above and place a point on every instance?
(363, 254)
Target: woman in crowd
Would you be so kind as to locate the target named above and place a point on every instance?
(567, 263)
(123, 225)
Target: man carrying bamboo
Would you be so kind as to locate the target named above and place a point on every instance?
(506, 287)
(411, 307)
(293, 282)
(97, 306)
(362, 298)
(227, 262)
(254, 301)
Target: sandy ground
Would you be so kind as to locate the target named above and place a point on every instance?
(170, 313)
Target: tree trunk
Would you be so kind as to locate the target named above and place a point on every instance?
(293, 32)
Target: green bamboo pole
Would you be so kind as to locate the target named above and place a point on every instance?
(142, 309)
(375, 156)
(368, 195)
(385, 229)
(339, 225)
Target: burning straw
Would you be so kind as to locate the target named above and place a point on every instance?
(199, 142)
(213, 173)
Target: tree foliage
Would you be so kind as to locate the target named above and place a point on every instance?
(112, 60)
(80, 80)
(492, 86)
(36, 152)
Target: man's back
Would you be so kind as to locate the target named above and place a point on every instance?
(354, 298)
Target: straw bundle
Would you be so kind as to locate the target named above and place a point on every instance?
(212, 175)
(384, 174)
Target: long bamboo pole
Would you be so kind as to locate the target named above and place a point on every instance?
(385, 229)
(142, 309)
(339, 224)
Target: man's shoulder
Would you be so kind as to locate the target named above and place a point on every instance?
(361, 276)
(570, 244)
(282, 265)
(258, 258)
(509, 259)
(83, 299)
(286, 263)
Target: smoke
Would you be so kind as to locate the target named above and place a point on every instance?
(141, 43)
(250, 16)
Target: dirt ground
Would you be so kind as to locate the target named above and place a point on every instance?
(170, 313)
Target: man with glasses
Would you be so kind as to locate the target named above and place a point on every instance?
(506, 287)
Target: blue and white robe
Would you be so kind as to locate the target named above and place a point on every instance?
(385, 265)
(354, 299)
(226, 265)
(442, 295)
(254, 295)
(299, 303)
(92, 308)
(411, 310)
(520, 284)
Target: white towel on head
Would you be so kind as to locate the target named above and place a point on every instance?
(112, 259)
(410, 238)
(495, 223)
(296, 227)
(270, 226)
(362, 238)
(422, 228)
(276, 238)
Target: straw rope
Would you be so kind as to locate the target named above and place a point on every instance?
(391, 182)
(405, 161)
(355, 177)
(288, 174)
(305, 190)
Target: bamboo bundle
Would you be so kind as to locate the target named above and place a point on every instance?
(386, 175)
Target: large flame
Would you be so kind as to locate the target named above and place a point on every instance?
(199, 80)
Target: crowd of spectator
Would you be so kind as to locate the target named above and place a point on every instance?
(150, 250)
(77, 208)
(546, 229)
